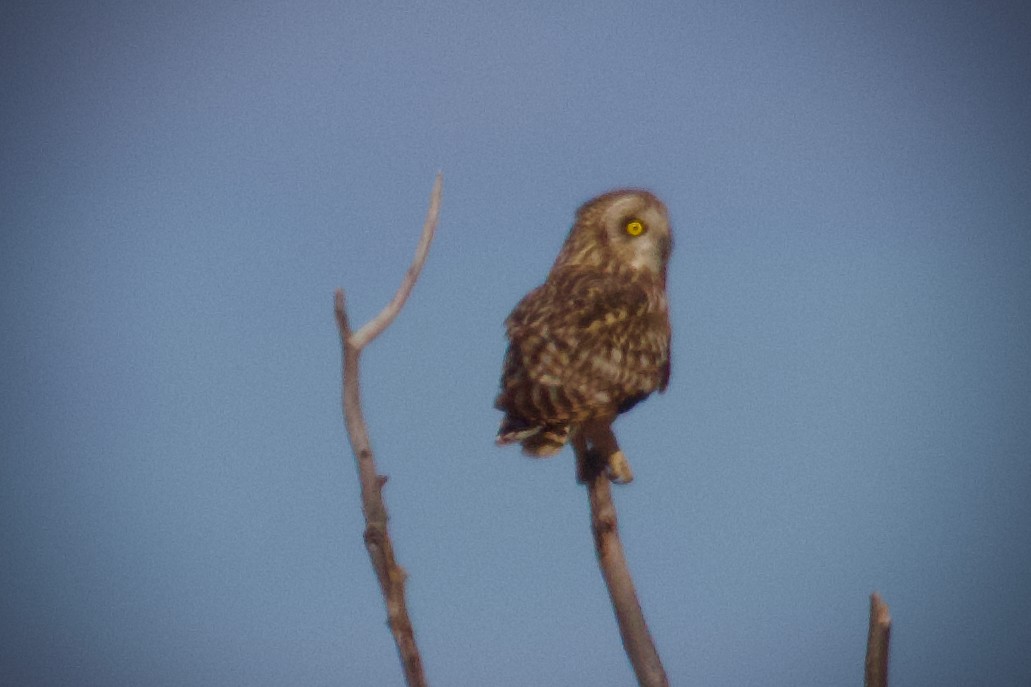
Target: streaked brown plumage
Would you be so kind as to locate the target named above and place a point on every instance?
(594, 339)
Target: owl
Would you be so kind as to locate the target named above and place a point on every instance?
(593, 341)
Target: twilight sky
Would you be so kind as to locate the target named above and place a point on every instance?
(184, 185)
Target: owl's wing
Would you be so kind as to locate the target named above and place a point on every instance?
(577, 301)
(601, 340)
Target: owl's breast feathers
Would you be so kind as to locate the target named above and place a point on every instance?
(584, 345)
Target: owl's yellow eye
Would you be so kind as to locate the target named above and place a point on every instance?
(635, 227)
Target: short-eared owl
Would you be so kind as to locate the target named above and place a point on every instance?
(593, 340)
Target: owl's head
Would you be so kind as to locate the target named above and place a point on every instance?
(627, 227)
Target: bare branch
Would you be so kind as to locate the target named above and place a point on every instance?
(376, 325)
(877, 643)
(391, 576)
(633, 629)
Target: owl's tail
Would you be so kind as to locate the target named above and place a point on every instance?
(540, 441)
(544, 441)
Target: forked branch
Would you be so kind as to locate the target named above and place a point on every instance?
(391, 576)
(633, 630)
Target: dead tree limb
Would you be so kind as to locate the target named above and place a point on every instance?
(391, 576)
(877, 643)
(633, 630)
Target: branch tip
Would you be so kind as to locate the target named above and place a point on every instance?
(877, 643)
(380, 322)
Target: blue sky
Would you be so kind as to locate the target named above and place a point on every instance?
(184, 185)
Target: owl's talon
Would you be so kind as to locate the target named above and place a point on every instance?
(618, 469)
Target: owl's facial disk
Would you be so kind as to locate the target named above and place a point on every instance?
(639, 233)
